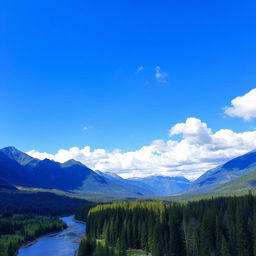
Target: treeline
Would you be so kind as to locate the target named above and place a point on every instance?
(214, 227)
(19, 228)
(87, 245)
(21, 216)
(40, 203)
(82, 212)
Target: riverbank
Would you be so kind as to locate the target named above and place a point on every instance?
(22, 230)
(63, 243)
(30, 243)
(79, 221)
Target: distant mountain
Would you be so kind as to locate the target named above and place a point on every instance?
(11, 171)
(242, 184)
(151, 185)
(70, 163)
(20, 169)
(225, 173)
(17, 155)
(120, 185)
(164, 185)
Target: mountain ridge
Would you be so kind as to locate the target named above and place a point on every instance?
(17, 155)
(165, 185)
(20, 169)
(222, 174)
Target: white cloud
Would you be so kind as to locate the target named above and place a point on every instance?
(243, 106)
(198, 150)
(160, 76)
(141, 68)
(193, 130)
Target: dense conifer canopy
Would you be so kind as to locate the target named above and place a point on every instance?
(221, 227)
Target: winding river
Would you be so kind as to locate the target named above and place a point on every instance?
(64, 243)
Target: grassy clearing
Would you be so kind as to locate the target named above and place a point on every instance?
(101, 242)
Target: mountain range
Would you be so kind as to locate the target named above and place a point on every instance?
(164, 185)
(18, 169)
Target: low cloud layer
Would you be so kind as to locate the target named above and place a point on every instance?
(198, 150)
(243, 106)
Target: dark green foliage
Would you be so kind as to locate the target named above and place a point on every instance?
(214, 227)
(18, 223)
(41, 203)
(87, 246)
(17, 229)
(82, 212)
(224, 247)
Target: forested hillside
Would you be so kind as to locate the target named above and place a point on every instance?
(20, 228)
(40, 203)
(21, 217)
(221, 227)
(82, 212)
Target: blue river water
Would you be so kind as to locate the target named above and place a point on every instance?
(64, 243)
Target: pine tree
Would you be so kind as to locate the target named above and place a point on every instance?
(224, 251)
(191, 245)
(121, 250)
(241, 239)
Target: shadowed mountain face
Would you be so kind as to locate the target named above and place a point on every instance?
(11, 171)
(6, 186)
(115, 185)
(225, 173)
(51, 174)
(20, 169)
(16, 155)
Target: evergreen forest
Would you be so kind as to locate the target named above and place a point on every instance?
(18, 229)
(224, 226)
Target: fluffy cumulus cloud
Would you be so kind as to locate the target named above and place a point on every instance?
(193, 130)
(243, 106)
(198, 150)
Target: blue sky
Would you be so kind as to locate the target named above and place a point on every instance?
(67, 65)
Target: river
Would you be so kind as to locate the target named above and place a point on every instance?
(63, 243)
